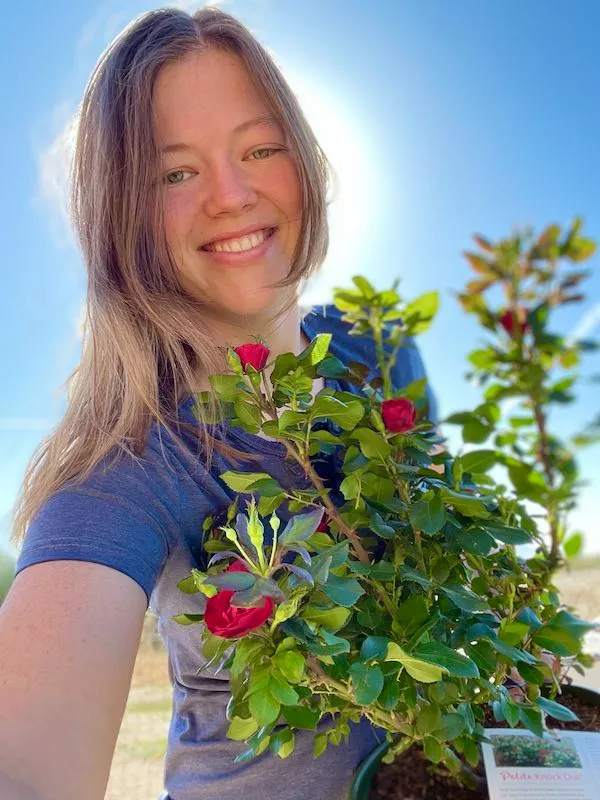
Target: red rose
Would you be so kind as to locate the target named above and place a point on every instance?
(254, 354)
(510, 320)
(323, 526)
(399, 415)
(224, 620)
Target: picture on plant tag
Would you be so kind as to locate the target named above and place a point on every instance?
(530, 751)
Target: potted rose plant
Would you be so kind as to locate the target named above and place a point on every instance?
(396, 595)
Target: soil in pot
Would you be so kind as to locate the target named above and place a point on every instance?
(412, 777)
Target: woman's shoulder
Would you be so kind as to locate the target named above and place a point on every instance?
(327, 318)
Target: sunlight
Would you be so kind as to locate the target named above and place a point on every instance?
(343, 137)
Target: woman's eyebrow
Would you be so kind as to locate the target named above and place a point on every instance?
(263, 121)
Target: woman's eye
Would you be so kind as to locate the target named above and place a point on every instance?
(264, 150)
(175, 177)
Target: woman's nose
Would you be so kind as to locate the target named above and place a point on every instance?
(229, 189)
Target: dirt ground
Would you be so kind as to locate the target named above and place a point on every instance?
(137, 770)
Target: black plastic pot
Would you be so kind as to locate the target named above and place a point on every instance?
(363, 778)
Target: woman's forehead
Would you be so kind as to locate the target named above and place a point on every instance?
(207, 91)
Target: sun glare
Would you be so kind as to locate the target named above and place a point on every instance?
(354, 187)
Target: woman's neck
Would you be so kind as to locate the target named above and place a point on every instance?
(284, 335)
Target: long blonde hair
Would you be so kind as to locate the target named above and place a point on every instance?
(144, 336)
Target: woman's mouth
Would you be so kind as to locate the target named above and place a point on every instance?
(241, 245)
(243, 250)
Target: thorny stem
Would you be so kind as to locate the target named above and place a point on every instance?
(544, 455)
(321, 678)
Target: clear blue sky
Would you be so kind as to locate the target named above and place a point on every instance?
(443, 119)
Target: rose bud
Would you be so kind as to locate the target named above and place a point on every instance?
(510, 320)
(224, 620)
(323, 526)
(253, 353)
(399, 415)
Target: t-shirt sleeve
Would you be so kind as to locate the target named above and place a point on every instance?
(409, 368)
(124, 516)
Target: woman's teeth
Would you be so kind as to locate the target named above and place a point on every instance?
(239, 245)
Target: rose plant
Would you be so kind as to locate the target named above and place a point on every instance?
(396, 594)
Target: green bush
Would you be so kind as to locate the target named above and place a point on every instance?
(7, 572)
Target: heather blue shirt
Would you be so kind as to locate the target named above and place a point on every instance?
(144, 519)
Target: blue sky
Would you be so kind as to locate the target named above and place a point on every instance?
(441, 119)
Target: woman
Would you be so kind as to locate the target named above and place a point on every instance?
(199, 198)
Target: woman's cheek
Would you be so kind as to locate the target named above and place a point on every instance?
(179, 212)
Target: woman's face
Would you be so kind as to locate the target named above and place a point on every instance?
(224, 172)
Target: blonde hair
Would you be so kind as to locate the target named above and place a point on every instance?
(144, 336)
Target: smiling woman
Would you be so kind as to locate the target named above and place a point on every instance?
(200, 199)
(225, 158)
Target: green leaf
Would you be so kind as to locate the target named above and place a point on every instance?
(510, 709)
(451, 726)
(532, 720)
(301, 717)
(234, 361)
(343, 591)
(428, 718)
(507, 534)
(228, 387)
(512, 653)
(345, 414)
(291, 664)
(428, 516)
(454, 663)
(372, 444)
(557, 640)
(419, 314)
(245, 652)
(350, 486)
(410, 574)
(572, 546)
(331, 367)
(478, 461)
(556, 710)
(284, 364)
(364, 287)
(432, 749)
(476, 431)
(367, 682)
(374, 647)
(390, 694)
(463, 598)
(380, 527)
(331, 618)
(528, 617)
(484, 655)
(532, 674)
(420, 670)
(469, 506)
(188, 585)
(188, 619)
(475, 540)
(289, 607)
(301, 527)
(232, 581)
(413, 611)
(240, 481)
(282, 743)
(264, 707)
(319, 745)
(241, 729)
(334, 645)
(283, 692)
(316, 350)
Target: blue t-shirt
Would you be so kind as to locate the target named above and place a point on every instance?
(144, 519)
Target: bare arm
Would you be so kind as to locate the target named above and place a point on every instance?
(69, 635)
